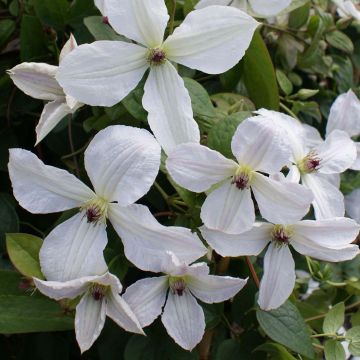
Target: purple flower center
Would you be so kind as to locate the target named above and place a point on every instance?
(178, 287)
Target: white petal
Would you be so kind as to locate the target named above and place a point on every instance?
(89, 321)
(328, 240)
(294, 174)
(248, 243)
(100, 4)
(69, 46)
(196, 167)
(259, 144)
(337, 153)
(184, 319)
(140, 20)
(269, 8)
(52, 114)
(281, 202)
(64, 290)
(74, 249)
(212, 39)
(328, 199)
(344, 114)
(37, 80)
(352, 204)
(146, 240)
(312, 136)
(214, 289)
(120, 312)
(122, 163)
(279, 277)
(204, 3)
(351, 9)
(333, 179)
(102, 73)
(146, 298)
(228, 209)
(169, 106)
(356, 164)
(43, 189)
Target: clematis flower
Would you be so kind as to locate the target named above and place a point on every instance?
(327, 239)
(317, 167)
(345, 115)
(259, 148)
(122, 163)
(99, 298)
(183, 317)
(258, 8)
(38, 81)
(347, 9)
(211, 40)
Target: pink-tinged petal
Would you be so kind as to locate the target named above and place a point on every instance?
(122, 163)
(328, 200)
(102, 73)
(146, 241)
(212, 39)
(37, 80)
(196, 167)
(41, 188)
(74, 249)
(228, 209)
(140, 20)
(337, 153)
(281, 202)
(146, 298)
(184, 319)
(251, 242)
(89, 321)
(279, 277)
(69, 46)
(169, 106)
(214, 289)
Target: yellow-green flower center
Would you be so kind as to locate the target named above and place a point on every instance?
(98, 291)
(310, 163)
(242, 178)
(156, 56)
(177, 284)
(96, 210)
(281, 234)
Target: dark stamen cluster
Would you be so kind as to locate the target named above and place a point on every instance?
(241, 181)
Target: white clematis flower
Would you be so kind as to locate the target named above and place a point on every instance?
(327, 240)
(183, 317)
(348, 8)
(100, 298)
(258, 8)
(122, 163)
(38, 81)
(259, 148)
(211, 40)
(317, 167)
(345, 115)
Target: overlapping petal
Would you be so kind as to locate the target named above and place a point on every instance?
(197, 168)
(145, 240)
(184, 319)
(102, 73)
(74, 249)
(248, 243)
(281, 202)
(69, 46)
(228, 209)
(212, 39)
(122, 163)
(352, 204)
(269, 8)
(42, 189)
(169, 106)
(140, 20)
(279, 277)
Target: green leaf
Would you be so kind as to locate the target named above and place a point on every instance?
(7, 28)
(23, 250)
(52, 12)
(259, 75)
(334, 350)
(203, 108)
(285, 84)
(220, 135)
(275, 349)
(23, 312)
(101, 31)
(339, 40)
(228, 350)
(353, 335)
(334, 319)
(230, 103)
(286, 326)
(133, 103)
(343, 73)
(9, 219)
(299, 16)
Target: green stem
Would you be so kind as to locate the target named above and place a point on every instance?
(72, 148)
(161, 191)
(284, 107)
(24, 223)
(172, 17)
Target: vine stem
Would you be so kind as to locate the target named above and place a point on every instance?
(72, 148)
(252, 271)
(172, 17)
(291, 113)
